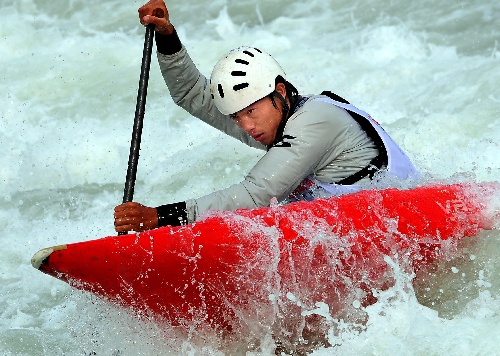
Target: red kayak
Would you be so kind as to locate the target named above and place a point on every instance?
(251, 267)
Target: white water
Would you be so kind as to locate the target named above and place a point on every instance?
(428, 71)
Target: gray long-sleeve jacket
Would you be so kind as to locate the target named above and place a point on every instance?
(320, 139)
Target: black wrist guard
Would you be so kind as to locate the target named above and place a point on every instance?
(168, 44)
(172, 214)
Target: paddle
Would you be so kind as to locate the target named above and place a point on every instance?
(135, 143)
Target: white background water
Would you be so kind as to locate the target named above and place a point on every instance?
(427, 71)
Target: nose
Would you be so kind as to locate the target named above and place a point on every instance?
(247, 124)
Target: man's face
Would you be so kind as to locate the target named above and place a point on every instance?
(261, 119)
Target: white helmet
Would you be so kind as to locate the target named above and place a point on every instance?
(242, 77)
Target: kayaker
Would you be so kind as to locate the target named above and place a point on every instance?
(317, 145)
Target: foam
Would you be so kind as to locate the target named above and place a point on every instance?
(428, 72)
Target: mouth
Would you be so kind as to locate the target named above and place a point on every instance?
(258, 137)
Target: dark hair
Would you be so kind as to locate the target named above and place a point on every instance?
(291, 91)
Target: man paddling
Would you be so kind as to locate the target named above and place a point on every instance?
(317, 145)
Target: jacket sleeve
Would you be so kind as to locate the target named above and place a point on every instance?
(190, 90)
(304, 149)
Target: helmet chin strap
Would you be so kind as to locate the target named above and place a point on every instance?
(284, 118)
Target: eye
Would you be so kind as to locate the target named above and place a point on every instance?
(235, 117)
(249, 111)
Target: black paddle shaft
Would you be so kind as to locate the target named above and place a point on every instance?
(135, 143)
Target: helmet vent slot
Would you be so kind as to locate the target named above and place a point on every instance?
(221, 92)
(240, 86)
(241, 61)
(248, 53)
(238, 73)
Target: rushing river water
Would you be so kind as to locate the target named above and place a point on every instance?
(428, 71)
